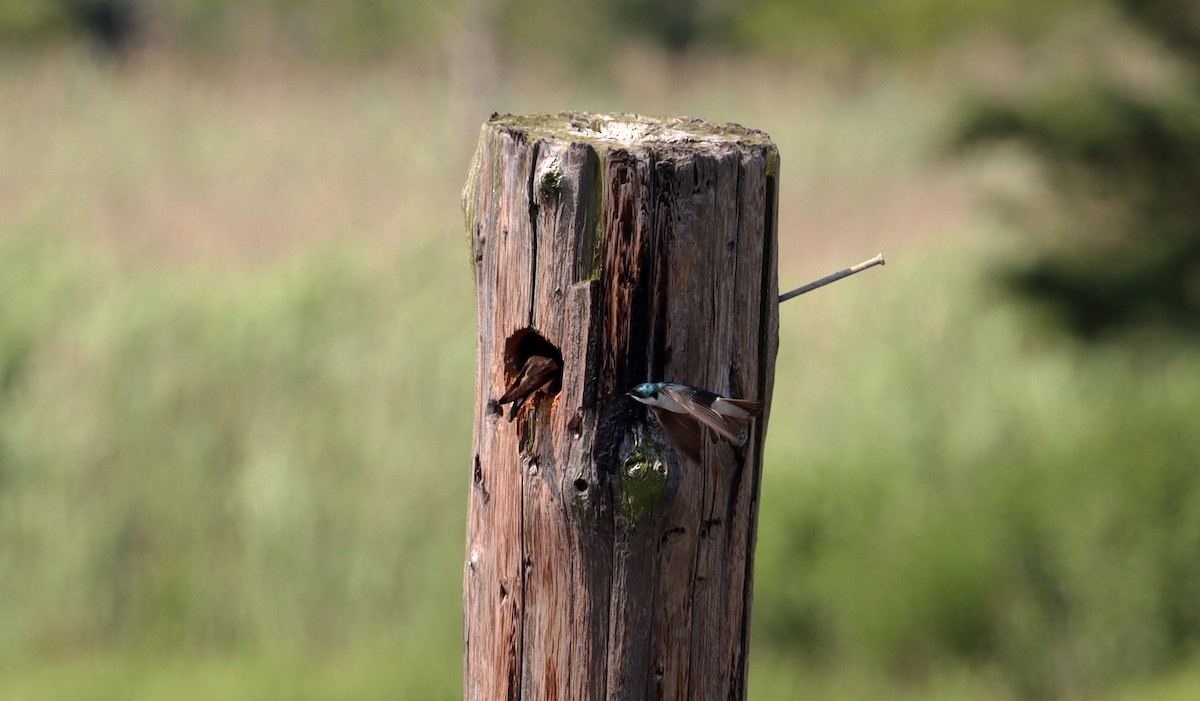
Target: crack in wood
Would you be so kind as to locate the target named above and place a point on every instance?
(624, 255)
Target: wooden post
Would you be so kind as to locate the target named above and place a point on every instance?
(600, 563)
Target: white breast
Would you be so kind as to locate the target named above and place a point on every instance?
(662, 401)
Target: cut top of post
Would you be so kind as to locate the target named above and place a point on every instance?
(629, 130)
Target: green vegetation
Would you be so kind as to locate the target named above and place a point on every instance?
(576, 33)
(980, 494)
(1122, 159)
(236, 382)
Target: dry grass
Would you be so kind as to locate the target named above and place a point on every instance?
(174, 162)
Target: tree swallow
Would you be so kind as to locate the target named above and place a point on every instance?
(682, 409)
(540, 373)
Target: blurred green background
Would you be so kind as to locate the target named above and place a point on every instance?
(237, 343)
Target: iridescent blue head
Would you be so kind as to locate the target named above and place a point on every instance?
(646, 390)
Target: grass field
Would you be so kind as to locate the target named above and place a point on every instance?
(236, 372)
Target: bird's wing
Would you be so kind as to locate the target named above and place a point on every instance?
(727, 427)
(753, 407)
(683, 431)
(537, 372)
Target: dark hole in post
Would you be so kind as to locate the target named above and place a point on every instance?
(581, 485)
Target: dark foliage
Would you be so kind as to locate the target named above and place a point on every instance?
(1127, 167)
(1174, 22)
(111, 24)
(674, 25)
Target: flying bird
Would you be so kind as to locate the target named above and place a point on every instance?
(539, 373)
(682, 409)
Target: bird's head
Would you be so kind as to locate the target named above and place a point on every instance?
(646, 392)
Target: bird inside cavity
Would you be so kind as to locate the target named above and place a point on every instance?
(540, 373)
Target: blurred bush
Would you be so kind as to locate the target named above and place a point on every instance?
(225, 464)
(110, 25)
(570, 32)
(1122, 161)
(895, 29)
(989, 499)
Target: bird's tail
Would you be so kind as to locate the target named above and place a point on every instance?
(752, 407)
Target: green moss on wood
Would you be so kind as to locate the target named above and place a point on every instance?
(470, 198)
(773, 164)
(643, 478)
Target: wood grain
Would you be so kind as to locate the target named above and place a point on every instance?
(600, 565)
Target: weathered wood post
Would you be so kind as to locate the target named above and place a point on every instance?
(600, 563)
